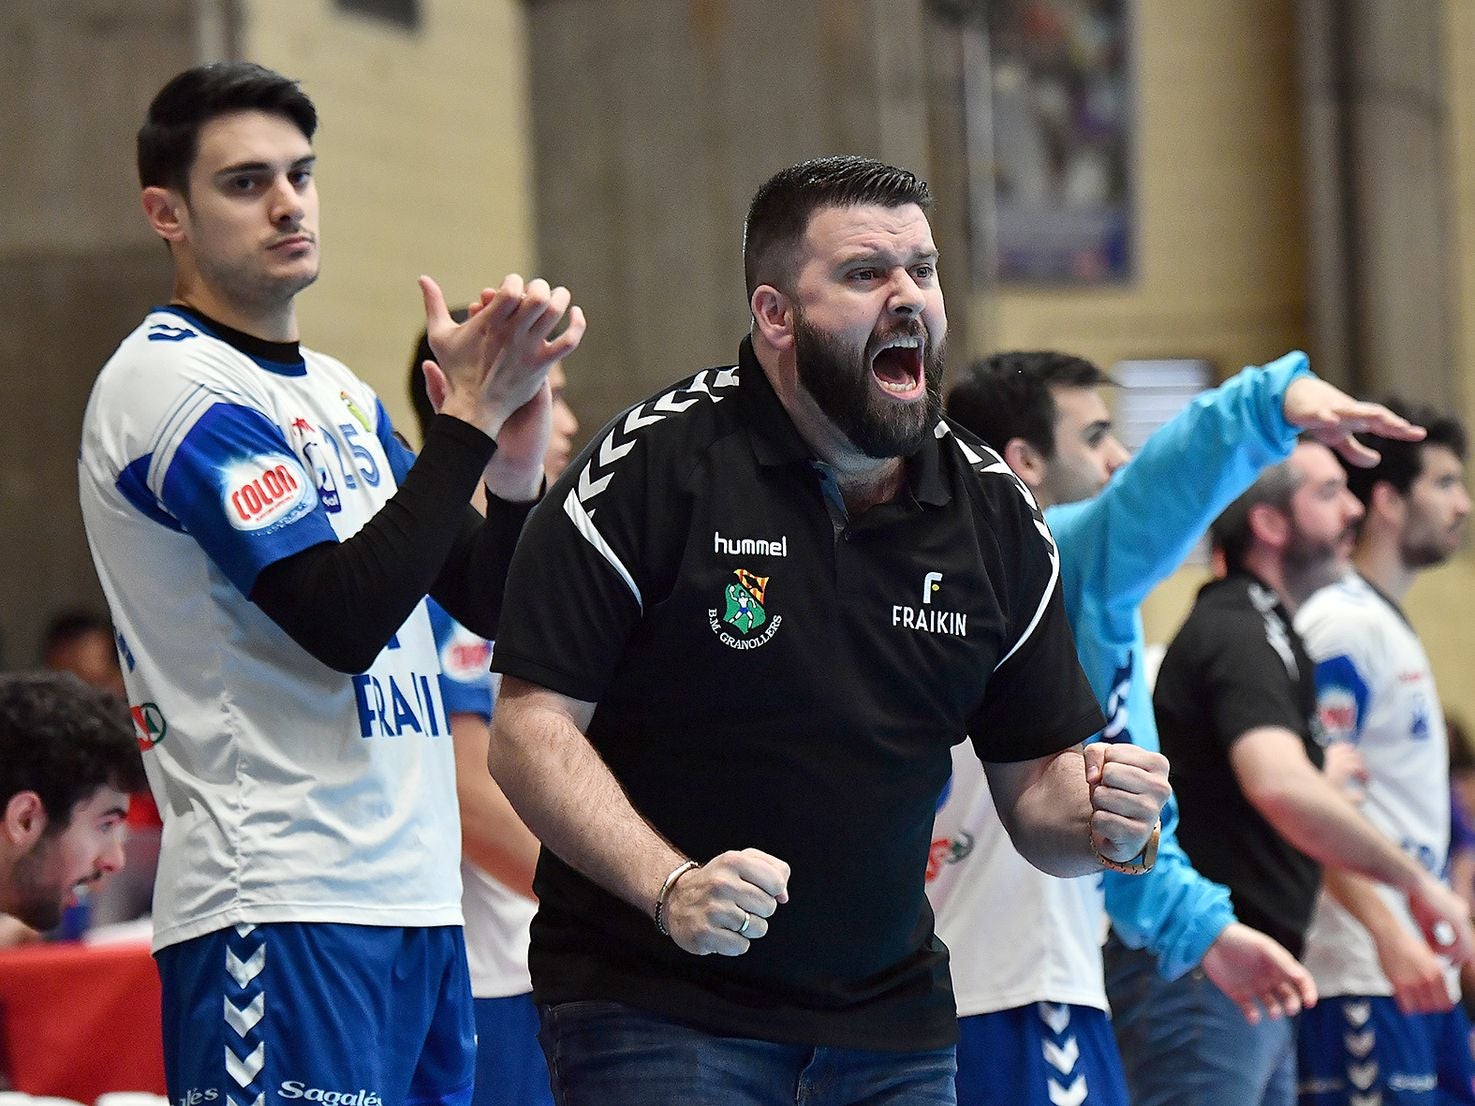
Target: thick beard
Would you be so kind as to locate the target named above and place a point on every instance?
(1425, 553)
(37, 903)
(838, 380)
(1313, 563)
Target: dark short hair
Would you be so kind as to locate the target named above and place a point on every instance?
(1231, 532)
(419, 397)
(70, 626)
(782, 207)
(1401, 462)
(170, 136)
(63, 740)
(1008, 396)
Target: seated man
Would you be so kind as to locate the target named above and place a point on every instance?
(67, 764)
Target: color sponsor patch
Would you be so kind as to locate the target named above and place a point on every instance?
(264, 490)
(465, 657)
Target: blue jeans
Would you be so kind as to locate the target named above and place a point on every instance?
(607, 1054)
(1183, 1043)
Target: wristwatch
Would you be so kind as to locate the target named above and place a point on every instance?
(1139, 864)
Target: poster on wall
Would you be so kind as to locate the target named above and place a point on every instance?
(1061, 110)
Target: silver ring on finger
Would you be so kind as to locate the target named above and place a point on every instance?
(742, 930)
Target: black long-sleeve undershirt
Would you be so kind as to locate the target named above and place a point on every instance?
(343, 601)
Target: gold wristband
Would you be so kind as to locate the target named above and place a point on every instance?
(1139, 865)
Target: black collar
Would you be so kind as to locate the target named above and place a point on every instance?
(280, 353)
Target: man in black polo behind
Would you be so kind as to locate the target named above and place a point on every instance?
(1235, 702)
(773, 597)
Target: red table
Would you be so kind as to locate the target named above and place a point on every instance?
(79, 1021)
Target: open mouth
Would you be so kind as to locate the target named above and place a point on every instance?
(897, 367)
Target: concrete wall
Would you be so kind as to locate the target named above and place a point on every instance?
(423, 166)
(1221, 255)
(77, 268)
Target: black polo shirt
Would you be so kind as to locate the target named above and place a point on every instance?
(770, 674)
(1236, 665)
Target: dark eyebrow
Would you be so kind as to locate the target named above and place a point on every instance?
(263, 166)
(115, 812)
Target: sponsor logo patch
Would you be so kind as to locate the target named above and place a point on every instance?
(264, 491)
(466, 657)
(148, 720)
(294, 1088)
(927, 618)
(947, 850)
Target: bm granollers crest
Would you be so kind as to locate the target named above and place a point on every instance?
(745, 613)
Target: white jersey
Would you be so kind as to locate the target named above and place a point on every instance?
(289, 791)
(1060, 922)
(497, 918)
(1374, 688)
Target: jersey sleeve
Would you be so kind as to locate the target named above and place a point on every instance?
(1345, 649)
(1037, 701)
(578, 582)
(466, 685)
(1251, 674)
(1173, 911)
(234, 484)
(1123, 542)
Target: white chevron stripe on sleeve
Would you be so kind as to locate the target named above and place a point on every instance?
(584, 523)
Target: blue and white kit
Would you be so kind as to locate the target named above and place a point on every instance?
(308, 872)
(497, 918)
(1375, 689)
(510, 1067)
(290, 792)
(1114, 549)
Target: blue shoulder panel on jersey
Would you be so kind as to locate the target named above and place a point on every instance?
(132, 485)
(242, 493)
(465, 676)
(400, 458)
(1341, 698)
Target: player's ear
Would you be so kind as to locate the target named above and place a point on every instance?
(25, 819)
(773, 316)
(165, 210)
(1028, 463)
(1270, 525)
(1386, 501)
